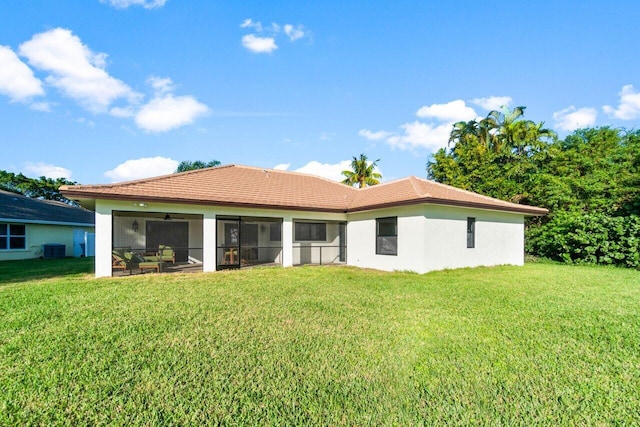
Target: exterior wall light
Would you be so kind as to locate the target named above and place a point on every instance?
(134, 226)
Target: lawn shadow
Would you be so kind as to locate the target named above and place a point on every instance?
(32, 269)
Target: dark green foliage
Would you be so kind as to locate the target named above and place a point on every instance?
(496, 156)
(41, 188)
(187, 165)
(579, 238)
(592, 171)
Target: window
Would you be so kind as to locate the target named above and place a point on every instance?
(311, 231)
(387, 236)
(275, 231)
(471, 232)
(13, 236)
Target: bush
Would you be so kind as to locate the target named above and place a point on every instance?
(587, 239)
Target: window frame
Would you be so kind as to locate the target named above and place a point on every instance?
(275, 230)
(471, 232)
(312, 238)
(8, 237)
(381, 239)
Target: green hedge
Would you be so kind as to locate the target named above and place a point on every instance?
(587, 239)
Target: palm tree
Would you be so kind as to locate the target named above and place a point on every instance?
(462, 130)
(506, 123)
(362, 172)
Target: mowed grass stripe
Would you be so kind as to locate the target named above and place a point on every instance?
(545, 344)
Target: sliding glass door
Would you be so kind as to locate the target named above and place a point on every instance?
(248, 241)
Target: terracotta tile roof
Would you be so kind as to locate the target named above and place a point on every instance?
(413, 190)
(231, 185)
(235, 185)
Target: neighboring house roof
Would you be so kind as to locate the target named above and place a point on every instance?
(244, 186)
(15, 207)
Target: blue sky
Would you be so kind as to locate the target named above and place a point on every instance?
(98, 91)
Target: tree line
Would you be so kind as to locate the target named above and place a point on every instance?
(589, 181)
(39, 188)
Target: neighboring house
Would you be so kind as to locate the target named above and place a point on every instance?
(236, 216)
(27, 224)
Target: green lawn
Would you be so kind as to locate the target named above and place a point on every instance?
(541, 344)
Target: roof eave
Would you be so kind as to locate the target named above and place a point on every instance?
(99, 196)
(525, 210)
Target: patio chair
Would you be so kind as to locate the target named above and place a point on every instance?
(230, 256)
(118, 262)
(166, 254)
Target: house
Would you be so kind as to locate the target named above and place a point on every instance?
(33, 228)
(236, 216)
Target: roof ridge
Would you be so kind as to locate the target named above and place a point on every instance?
(147, 179)
(461, 190)
(383, 184)
(412, 179)
(297, 173)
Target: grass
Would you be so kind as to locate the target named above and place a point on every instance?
(541, 344)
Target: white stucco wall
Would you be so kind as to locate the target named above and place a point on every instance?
(361, 240)
(499, 238)
(40, 234)
(432, 237)
(103, 239)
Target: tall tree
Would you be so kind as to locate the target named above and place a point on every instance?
(40, 188)
(362, 172)
(494, 156)
(187, 165)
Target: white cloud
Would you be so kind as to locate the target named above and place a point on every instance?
(571, 118)
(123, 4)
(161, 85)
(421, 135)
(250, 23)
(629, 106)
(263, 40)
(162, 114)
(492, 102)
(326, 170)
(44, 169)
(75, 70)
(294, 33)
(142, 168)
(450, 112)
(374, 136)
(282, 166)
(258, 44)
(16, 78)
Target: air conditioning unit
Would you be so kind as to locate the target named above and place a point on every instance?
(53, 250)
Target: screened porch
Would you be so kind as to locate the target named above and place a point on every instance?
(245, 241)
(156, 241)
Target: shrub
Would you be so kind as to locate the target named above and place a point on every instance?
(587, 239)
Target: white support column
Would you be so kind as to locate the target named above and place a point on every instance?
(104, 243)
(287, 241)
(209, 243)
